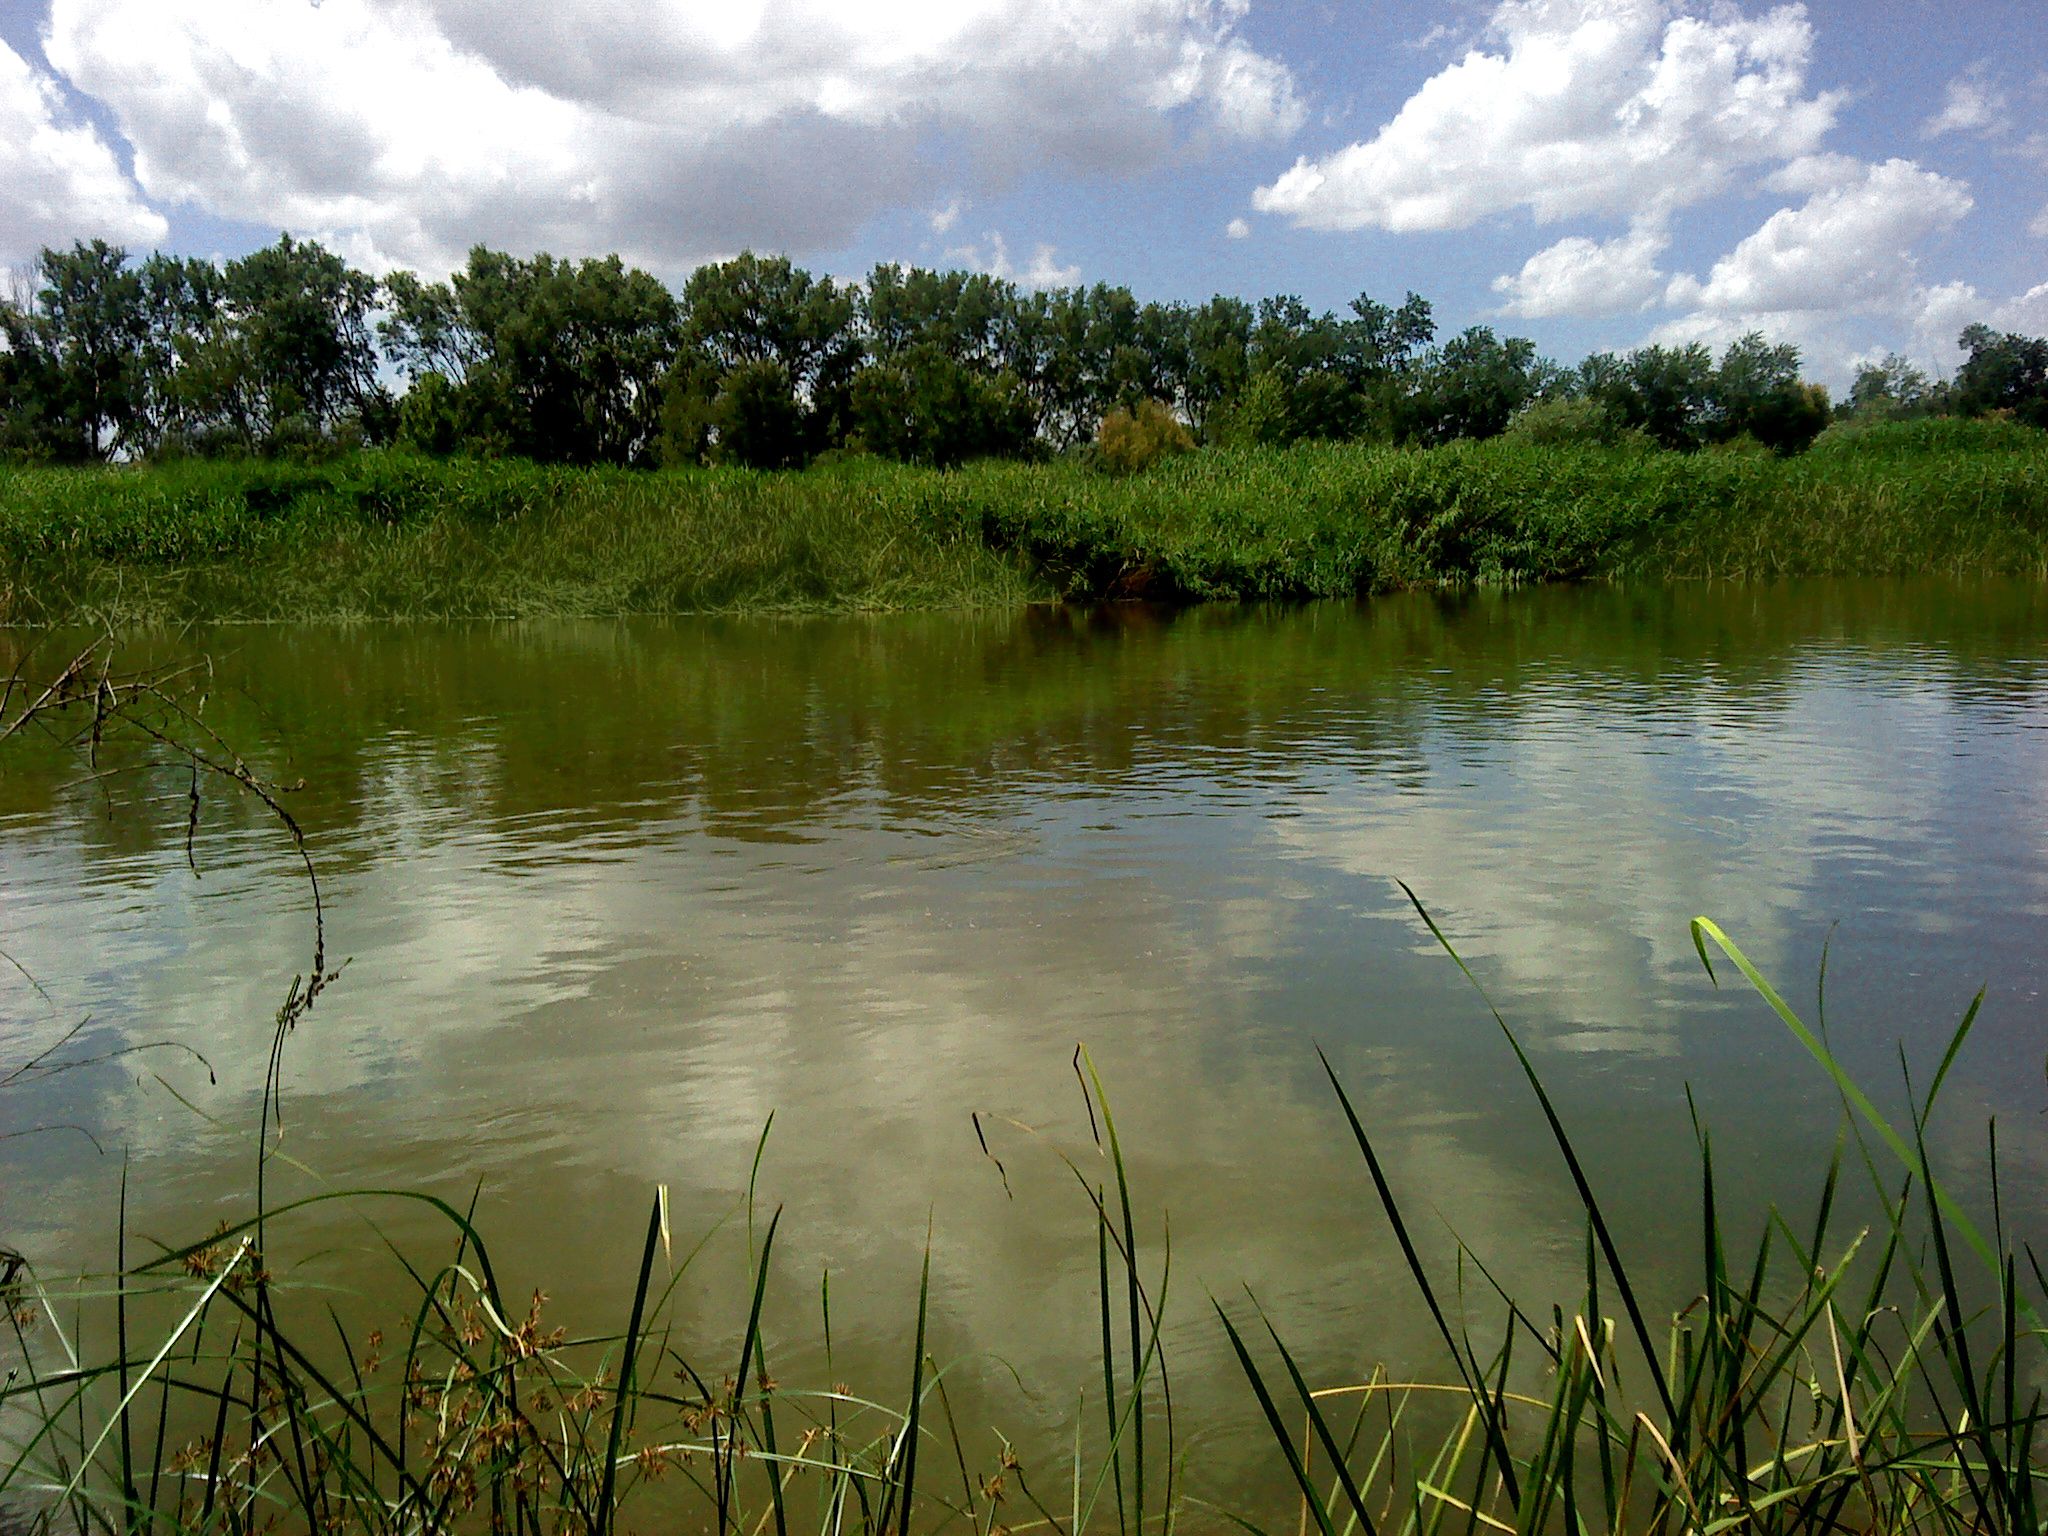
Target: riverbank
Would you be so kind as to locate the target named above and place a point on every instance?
(379, 535)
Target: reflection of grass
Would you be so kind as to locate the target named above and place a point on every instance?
(386, 535)
(1876, 1381)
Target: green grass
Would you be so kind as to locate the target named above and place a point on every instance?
(389, 536)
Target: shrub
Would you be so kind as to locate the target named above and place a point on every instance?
(1137, 437)
(1571, 423)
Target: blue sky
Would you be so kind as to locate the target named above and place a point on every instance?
(1854, 177)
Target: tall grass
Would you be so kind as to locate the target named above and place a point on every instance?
(389, 536)
(1887, 1379)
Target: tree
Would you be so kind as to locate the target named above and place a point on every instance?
(1666, 392)
(762, 309)
(1219, 359)
(301, 321)
(85, 329)
(1472, 386)
(1892, 388)
(1757, 393)
(925, 407)
(32, 420)
(181, 302)
(2003, 372)
(559, 361)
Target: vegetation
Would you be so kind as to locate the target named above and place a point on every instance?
(391, 534)
(757, 363)
(182, 439)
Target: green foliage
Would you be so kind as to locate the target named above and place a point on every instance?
(760, 363)
(1891, 389)
(1137, 437)
(2004, 372)
(557, 361)
(756, 420)
(392, 534)
(1472, 387)
(927, 407)
(1572, 422)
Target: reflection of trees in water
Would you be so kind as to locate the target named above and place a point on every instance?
(756, 726)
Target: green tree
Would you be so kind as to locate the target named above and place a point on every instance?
(1472, 386)
(1219, 359)
(301, 318)
(925, 407)
(1666, 392)
(756, 419)
(2003, 372)
(1757, 393)
(1892, 388)
(559, 361)
(84, 332)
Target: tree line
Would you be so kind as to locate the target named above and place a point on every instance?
(757, 362)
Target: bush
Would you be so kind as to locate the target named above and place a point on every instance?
(1135, 438)
(1931, 434)
(1570, 424)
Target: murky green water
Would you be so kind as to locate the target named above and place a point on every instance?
(613, 893)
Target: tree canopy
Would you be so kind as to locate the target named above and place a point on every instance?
(757, 362)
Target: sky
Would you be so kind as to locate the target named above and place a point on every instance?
(1853, 176)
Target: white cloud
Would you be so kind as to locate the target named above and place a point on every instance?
(1837, 276)
(1587, 107)
(992, 256)
(1815, 173)
(2039, 227)
(1237, 229)
(943, 219)
(1944, 310)
(671, 131)
(1578, 276)
(1971, 104)
(59, 181)
(1848, 246)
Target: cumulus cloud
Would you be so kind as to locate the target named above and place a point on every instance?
(1819, 275)
(1578, 276)
(58, 179)
(1971, 104)
(1942, 312)
(992, 255)
(1852, 242)
(1237, 229)
(1583, 107)
(671, 131)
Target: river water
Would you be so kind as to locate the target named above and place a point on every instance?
(611, 894)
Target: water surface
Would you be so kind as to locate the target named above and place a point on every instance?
(612, 894)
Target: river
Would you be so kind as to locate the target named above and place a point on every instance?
(611, 894)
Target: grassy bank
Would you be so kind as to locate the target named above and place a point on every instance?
(389, 536)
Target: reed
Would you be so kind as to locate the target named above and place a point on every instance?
(390, 536)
